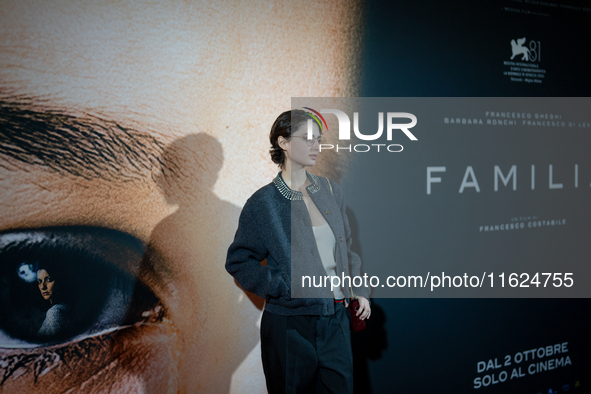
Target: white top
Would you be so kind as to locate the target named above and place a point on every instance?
(55, 320)
(327, 243)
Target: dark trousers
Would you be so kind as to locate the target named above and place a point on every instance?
(307, 354)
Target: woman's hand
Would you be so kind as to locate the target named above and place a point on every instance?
(364, 310)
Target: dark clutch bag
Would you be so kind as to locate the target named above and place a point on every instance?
(356, 323)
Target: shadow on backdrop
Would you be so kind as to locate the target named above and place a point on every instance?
(214, 319)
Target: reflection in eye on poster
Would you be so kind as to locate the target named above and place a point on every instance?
(50, 297)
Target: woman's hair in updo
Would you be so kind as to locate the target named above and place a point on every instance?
(285, 125)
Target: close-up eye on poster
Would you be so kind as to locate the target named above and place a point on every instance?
(270, 196)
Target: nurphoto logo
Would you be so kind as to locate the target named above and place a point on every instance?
(344, 131)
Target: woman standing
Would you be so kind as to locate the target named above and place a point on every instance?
(299, 225)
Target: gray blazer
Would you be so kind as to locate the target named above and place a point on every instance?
(275, 226)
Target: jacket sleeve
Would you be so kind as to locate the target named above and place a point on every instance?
(354, 259)
(244, 259)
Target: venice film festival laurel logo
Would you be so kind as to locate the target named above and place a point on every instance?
(524, 64)
(531, 53)
(344, 130)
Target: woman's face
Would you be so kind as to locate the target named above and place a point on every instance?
(45, 283)
(298, 150)
(114, 85)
